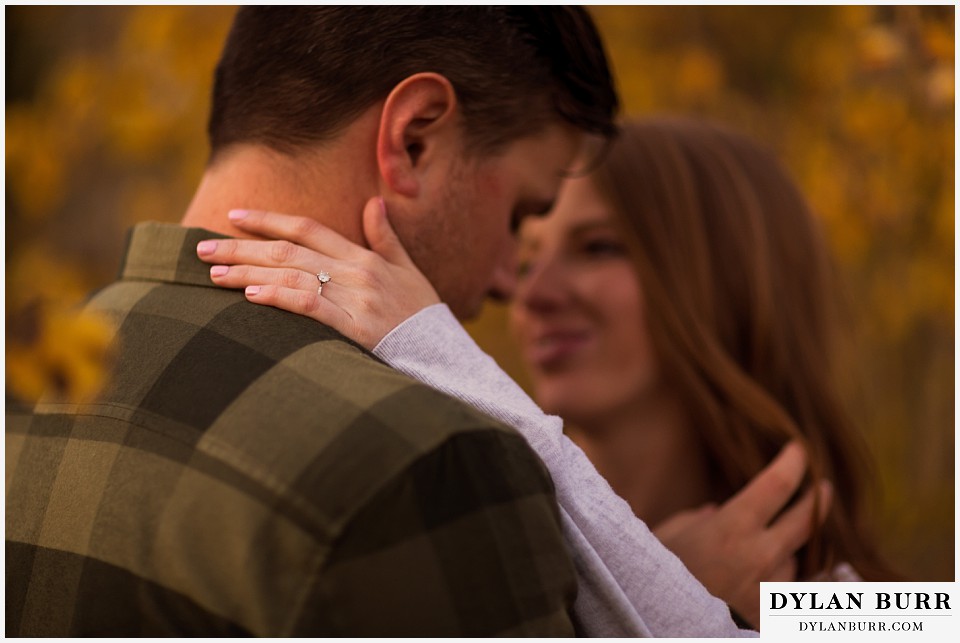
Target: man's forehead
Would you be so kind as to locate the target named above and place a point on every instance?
(575, 153)
(590, 153)
(554, 143)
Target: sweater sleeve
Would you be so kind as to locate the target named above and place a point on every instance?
(629, 583)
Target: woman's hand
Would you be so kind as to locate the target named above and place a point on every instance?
(369, 292)
(752, 537)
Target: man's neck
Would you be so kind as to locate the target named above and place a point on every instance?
(329, 184)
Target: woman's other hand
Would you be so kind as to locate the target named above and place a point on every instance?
(752, 537)
(365, 292)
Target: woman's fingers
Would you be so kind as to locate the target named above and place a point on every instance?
(300, 230)
(792, 530)
(770, 490)
(270, 254)
(299, 241)
(349, 302)
(370, 290)
(241, 276)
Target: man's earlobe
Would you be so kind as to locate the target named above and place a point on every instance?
(415, 127)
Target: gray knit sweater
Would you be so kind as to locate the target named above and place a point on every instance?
(629, 583)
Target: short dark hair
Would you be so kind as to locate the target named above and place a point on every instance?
(290, 76)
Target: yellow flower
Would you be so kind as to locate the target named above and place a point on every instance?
(63, 353)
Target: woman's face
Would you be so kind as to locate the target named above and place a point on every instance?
(579, 311)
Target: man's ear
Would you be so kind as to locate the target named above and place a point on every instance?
(416, 126)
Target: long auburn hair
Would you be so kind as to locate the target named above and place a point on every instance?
(742, 310)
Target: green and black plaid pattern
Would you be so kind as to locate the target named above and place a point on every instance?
(249, 471)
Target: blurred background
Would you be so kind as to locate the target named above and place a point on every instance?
(105, 122)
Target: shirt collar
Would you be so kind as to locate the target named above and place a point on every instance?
(166, 252)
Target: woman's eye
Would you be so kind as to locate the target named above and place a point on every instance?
(604, 248)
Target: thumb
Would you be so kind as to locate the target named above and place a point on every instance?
(682, 520)
(380, 234)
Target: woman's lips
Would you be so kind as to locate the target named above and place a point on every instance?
(552, 349)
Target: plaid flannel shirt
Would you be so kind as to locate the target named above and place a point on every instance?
(250, 471)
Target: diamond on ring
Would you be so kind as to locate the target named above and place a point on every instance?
(323, 277)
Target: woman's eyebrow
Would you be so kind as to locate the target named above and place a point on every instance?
(530, 243)
(590, 226)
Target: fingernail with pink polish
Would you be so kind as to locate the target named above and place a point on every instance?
(206, 247)
(383, 206)
(252, 290)
(237, 215)
(218, 271)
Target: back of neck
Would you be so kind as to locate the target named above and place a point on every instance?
(253, 177)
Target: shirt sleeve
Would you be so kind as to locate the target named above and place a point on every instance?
(629, 583)
(446, 549)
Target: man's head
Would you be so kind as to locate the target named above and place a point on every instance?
(451, 92)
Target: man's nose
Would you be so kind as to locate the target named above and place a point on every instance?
(504, 284)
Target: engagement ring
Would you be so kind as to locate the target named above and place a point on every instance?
(323, 277)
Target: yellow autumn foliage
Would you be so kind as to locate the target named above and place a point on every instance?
(52, 347)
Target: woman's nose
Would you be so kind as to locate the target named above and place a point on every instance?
(544, 286)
